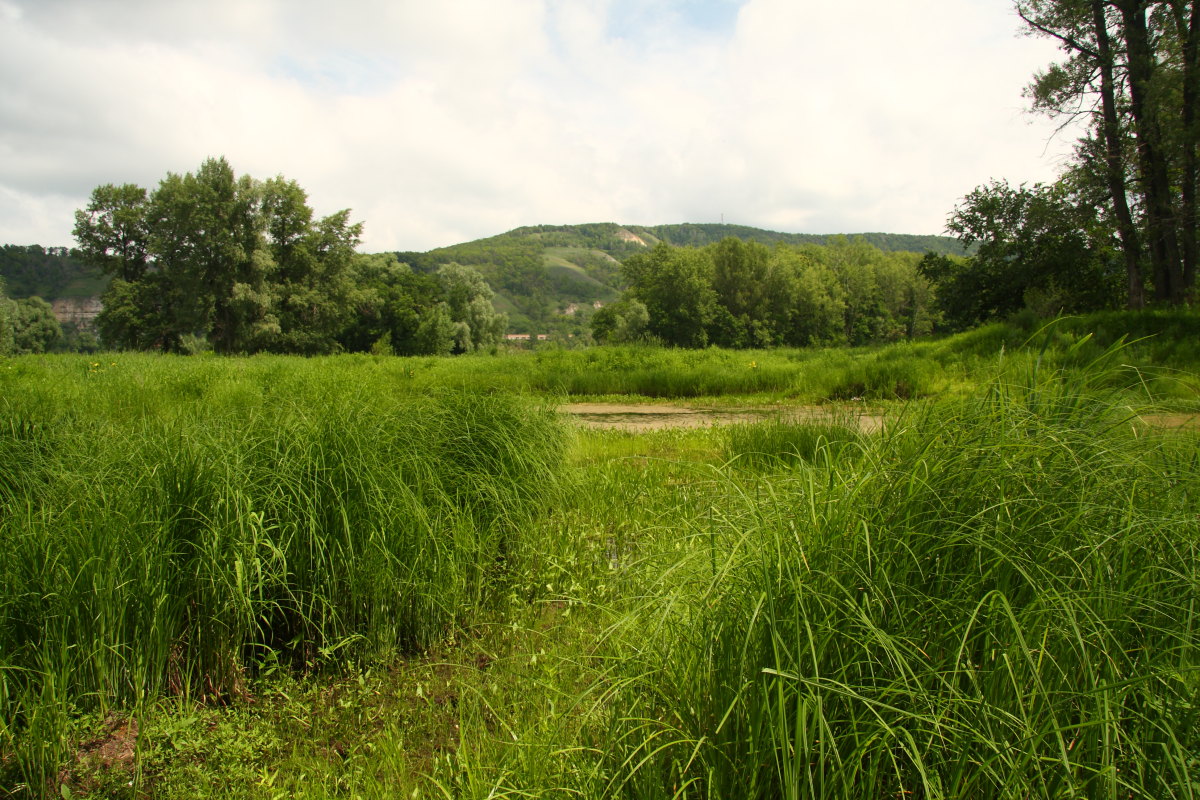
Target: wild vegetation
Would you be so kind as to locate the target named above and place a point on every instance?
(1124, 210)
(742, 294)
(210, 259)
(28, 325)
(368, 576)
(394, 574)
(47, 272)
(538, 271)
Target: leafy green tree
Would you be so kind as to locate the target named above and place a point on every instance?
(1032, 243)
(622, 322)
(1133, 67)
(740, 280)
(7, 312)
(235, 261)
(436, 332)
(469, 302)
(35, 329)
(389, 301)
(113, 230)
(313, 284)
(675, 285)
(137, 315)
(805, 299)
(208, 228)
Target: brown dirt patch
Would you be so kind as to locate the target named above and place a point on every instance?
(102, 758)
(1171, 420)
(641, 417)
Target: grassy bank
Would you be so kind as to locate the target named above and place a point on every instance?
(173, 528)
(353, 577)
(1161, 352)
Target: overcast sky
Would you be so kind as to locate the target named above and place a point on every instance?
(441, 121)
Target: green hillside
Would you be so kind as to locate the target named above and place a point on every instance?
(547, 277)
(47, 272)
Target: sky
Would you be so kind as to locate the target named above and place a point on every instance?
(442, 122)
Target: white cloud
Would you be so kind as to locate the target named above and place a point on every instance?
(442, 122)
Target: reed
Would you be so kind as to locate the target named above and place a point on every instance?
(995, 599)
(169, 541)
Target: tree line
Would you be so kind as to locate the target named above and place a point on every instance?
(211, 259)
(28, 325)
(745, 295)
(1119, 226)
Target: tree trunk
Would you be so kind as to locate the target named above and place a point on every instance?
(1114, 161)
(1189, 35)
(1161, 224)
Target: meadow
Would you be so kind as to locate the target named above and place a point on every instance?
(381, 577)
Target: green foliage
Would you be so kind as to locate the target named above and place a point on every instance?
(389, 300)
(540, 271)
(165, 525)
(1037, 247)
(1131, 71)
(7, 311)
(622, 322)
(31, 325)
(700, 235)
(742, 295)
(776, 443)
(675, 286)
(237, 261)
(986, 598)
(477, 326)
(47, 272)
(243, 266)
(986, 602)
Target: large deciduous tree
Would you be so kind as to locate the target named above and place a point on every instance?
(675, 286)
(28, 326)
(1039, 247)
(476, 323)
(1132, 70)
(239, 262)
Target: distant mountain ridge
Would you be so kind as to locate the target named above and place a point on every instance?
(547, 276)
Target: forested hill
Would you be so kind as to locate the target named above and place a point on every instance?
(47, 272)
(698, 235)
(541, 271)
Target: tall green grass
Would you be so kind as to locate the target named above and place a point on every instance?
(172, 528)
(994, 598)
(778, 442)
(1161, 344)
(999, 599)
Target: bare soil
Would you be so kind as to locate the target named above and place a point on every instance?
(1171, 420)
(640, 417)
